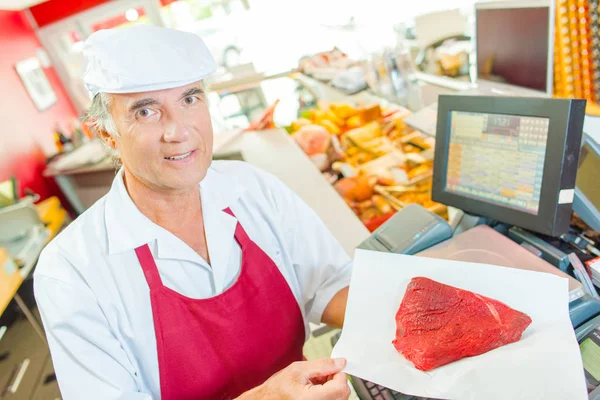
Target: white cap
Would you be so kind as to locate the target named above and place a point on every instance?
(143, 58)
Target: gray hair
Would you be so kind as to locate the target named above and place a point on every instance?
(99, 114)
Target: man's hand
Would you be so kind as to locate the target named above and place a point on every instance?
(334, 313)
(305, 380)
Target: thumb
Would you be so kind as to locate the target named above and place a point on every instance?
(322, 367)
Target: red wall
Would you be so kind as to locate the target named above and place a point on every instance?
(24, 129)
(54, 10)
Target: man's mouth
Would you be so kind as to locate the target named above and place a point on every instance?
(179, 157)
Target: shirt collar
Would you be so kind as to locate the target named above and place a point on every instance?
(127, 228)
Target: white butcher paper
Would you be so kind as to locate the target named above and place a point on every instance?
(544, 364)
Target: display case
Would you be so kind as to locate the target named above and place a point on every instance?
(360, 143)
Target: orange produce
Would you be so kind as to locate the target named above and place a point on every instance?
(313, 139)
(356, 189)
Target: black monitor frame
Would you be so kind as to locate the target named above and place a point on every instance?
(560, 164)
(582, 205)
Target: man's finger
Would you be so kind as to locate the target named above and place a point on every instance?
(321, 368)
(340, 377)
(319, 380)
(335, 389)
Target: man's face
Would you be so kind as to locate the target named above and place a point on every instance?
(165, 136)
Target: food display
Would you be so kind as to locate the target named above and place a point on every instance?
(437, 324)
(326, 65)
(372, 158)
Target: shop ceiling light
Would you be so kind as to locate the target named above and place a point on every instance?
(132, 15)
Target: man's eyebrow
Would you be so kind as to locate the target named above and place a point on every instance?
(192, 91)
(142, 103)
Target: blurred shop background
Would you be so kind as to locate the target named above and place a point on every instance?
(353, 85)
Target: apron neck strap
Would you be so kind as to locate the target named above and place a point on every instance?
(149, 267)
(240, 234)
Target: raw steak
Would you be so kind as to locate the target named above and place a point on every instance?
(437, 324)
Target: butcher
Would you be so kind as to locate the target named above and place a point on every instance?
(190, 278)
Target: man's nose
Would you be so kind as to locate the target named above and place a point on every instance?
(176, 130)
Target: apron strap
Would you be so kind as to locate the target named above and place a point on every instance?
(240, 234)
(149, 267)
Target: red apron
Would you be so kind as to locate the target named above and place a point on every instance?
(220, 347)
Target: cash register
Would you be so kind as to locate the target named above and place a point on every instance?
(506, 162)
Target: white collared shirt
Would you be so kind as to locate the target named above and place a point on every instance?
(94, 299)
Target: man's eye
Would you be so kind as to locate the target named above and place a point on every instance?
(190, 100)
(145, 113)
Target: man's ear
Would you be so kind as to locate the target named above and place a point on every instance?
(108, 139)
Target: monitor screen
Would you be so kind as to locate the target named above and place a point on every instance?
(513, 46)
(587, 175)
(510, 159)
(497, 158)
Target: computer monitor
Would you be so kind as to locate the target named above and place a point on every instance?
(514, 43)
(587, 186)
(510, 159)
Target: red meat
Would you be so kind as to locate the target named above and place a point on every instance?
(437, 324)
